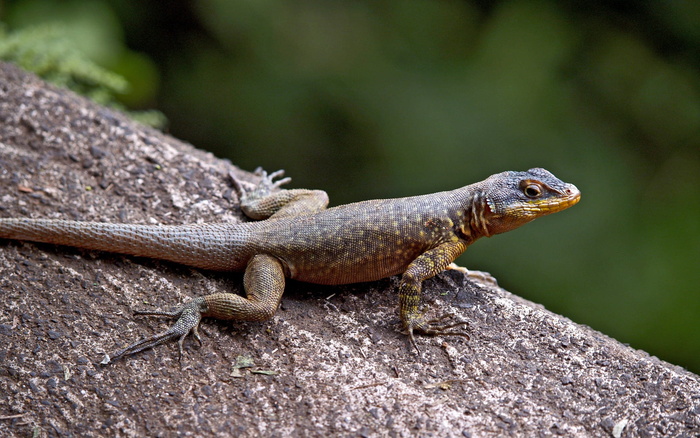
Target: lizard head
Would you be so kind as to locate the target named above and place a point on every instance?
(511, 199)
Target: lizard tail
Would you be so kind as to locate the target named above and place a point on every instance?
(210, 246)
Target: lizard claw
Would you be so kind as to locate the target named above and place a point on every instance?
(189, 316)
(434, 327)
(266, 185)
(268, 180)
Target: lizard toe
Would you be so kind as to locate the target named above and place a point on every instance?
(189, 317)
(440, 326)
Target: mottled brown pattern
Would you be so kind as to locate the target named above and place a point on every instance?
(297, 237)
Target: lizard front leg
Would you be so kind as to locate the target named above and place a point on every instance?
(264, 285)
(427, 265)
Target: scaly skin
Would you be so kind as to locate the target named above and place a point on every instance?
(297, 237)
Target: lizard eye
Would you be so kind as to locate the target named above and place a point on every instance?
(532, 190)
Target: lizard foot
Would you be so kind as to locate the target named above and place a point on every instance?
(267, 184)
(189, 315)
(434, 327)
(482, 277)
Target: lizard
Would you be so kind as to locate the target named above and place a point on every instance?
(292, 234)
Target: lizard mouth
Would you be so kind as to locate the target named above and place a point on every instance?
(572, 196)
(567, 198)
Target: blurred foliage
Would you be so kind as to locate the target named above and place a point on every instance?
(77, 45)
(47, 51)
(397, 97)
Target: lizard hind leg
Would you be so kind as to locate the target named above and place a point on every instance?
(264, 200)
(264, 285)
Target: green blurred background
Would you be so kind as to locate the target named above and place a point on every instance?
(398, 97)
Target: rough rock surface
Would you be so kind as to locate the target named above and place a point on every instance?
(331, 362)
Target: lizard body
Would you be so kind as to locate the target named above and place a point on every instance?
(296, 237)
